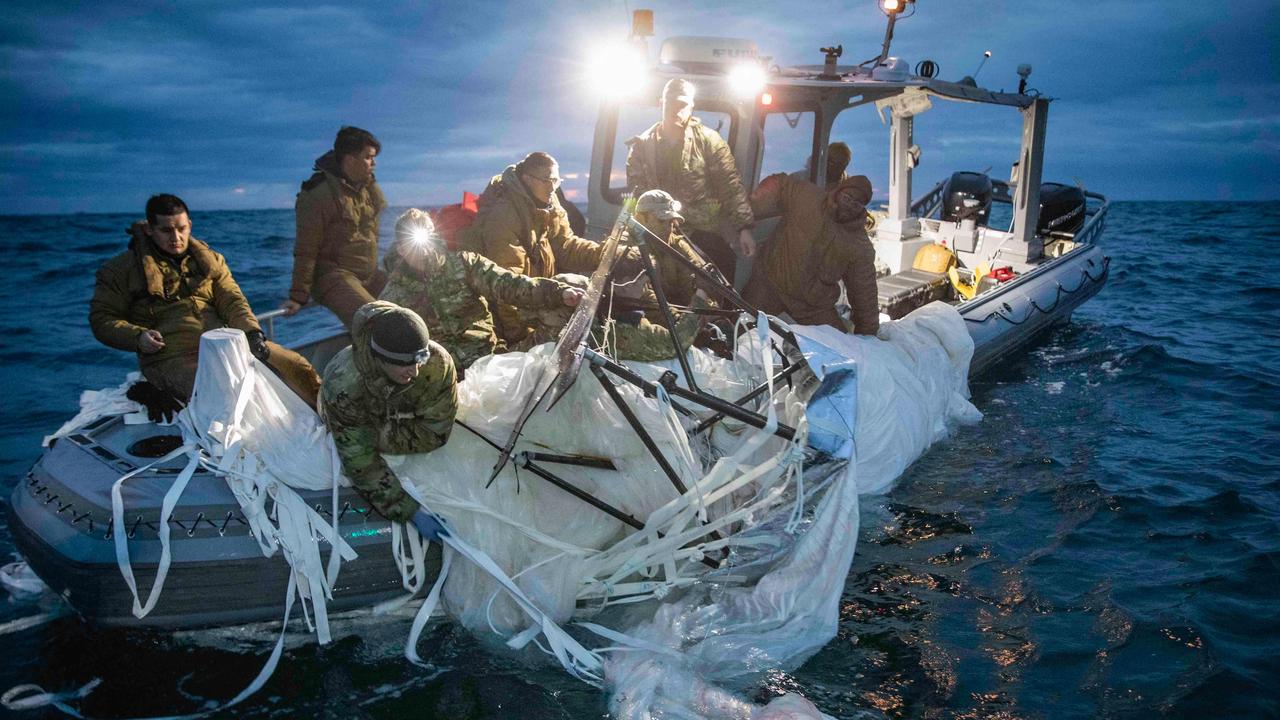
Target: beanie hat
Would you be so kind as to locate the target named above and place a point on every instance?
(400, 337)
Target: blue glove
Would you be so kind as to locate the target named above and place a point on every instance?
(429, 526)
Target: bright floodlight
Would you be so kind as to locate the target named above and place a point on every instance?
(616, 71)
(892, 5)
(747, 79)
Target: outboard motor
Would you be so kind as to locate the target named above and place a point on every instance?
(967, 195)
(1061, 208)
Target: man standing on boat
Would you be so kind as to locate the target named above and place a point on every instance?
(693, 163)
(160, 295)
(453, 291)
(392, 391)
(820, 242)
(521, 227)
(335, 256)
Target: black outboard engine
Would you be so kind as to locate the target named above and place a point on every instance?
(967, 195)
(1061, 208)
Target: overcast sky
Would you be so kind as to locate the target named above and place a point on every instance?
(229, 103)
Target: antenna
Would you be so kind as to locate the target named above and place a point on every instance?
(985, 56)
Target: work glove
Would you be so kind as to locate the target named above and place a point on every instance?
(429, 525)
(160, 405)
(258, 344)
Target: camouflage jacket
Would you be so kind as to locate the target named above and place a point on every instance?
(370, 415)
(649, 341)
(707, 182)
(454, 292)
(517, 233)
(142, 289)
(337, 228)
(809, 253)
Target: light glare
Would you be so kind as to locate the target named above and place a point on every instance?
(747, 79)
(616, 71)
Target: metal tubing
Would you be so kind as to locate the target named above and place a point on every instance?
(578, 460)
(756, 420)
(655, 279)
(779, 377)
(635, 424)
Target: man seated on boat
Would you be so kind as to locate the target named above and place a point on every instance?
(335, 255)
(391, 391)
(820, 242)
(160, 295)
(838, 158)
(521, 227)
(693, 163)
(454, 291)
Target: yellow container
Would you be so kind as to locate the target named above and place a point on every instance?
(934, 258)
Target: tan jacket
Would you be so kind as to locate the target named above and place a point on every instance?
(142, 289)
(809, 253)
(707, 186)
(517, 233)
(337, 228)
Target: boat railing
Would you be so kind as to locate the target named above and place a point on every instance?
(268, 322)
(1093, 228)
(929, 202)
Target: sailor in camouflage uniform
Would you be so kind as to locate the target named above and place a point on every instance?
(454, 292)
(392, 391)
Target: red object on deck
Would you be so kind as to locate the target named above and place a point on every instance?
(451, 219)
(1003, 274)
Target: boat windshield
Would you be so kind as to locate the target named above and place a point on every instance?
(789, 143)
(633, 119)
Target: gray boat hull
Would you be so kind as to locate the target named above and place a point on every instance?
(60, 519)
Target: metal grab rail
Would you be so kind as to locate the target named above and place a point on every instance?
(1093, 228)
(928, 202)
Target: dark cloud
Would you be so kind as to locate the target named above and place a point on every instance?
(230, 102)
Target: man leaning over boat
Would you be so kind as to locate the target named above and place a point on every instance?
(392, 391)
(157, 297)
(454, 291)
(820, 241)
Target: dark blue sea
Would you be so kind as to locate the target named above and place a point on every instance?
(1106, 543)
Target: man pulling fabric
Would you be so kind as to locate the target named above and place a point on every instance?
(453, 292)
(160, 295)
(392, 391)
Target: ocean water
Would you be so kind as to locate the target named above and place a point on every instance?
(1106, 543)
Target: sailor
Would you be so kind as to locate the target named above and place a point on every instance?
(392, 391)
(838, 157)
(160, 295)
(658, 212)
(521, 227)
(454, 291)
(693, 163)
(335, 256)
(820, 242)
